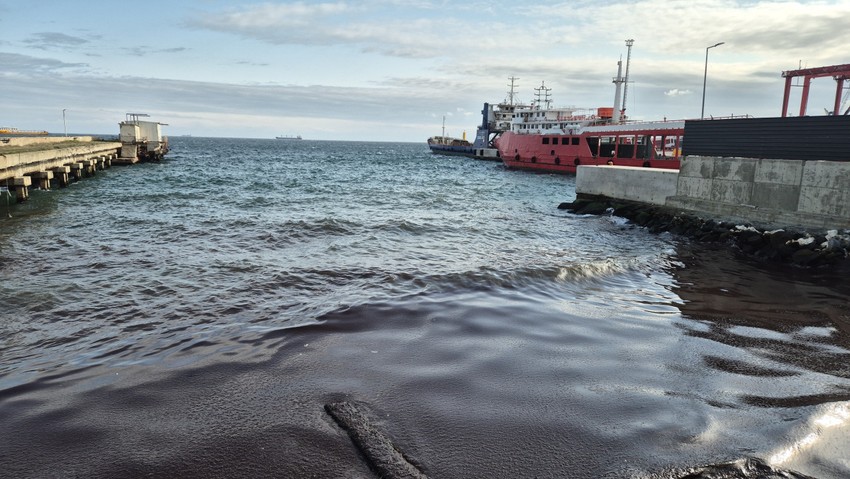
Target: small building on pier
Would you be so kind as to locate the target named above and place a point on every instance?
(141, 140)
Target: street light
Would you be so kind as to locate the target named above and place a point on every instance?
(64, 129)
(704, 76)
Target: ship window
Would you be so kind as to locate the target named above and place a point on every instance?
(554, 141)
(545, 140)
(575, 140)
(593, 143)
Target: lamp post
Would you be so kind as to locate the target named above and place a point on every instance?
(704, 77)
(64, 129)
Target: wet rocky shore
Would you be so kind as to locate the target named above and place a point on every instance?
(800, 248)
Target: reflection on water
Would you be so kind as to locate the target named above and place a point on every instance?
(787, 337)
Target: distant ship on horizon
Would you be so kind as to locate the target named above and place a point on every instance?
(8, 130)
(287, 137)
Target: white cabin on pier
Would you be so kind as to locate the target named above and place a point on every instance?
(141, 140)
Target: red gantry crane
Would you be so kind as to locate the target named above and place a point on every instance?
(838, 72)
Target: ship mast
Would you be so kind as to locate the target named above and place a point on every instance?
(543, 92)
(615, 117)
(511, 92)
(629, 44)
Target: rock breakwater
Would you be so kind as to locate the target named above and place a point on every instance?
(800, 248)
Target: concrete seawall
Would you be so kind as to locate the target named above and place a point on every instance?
(767, 193)
(781, 210)
(773, 193)
(646, 185)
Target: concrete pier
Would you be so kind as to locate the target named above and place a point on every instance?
(26, 162)
(42, 160)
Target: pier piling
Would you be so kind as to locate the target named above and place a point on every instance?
(77, 171)
(20, 185)
(42, 179)
(60, 173)
(89, 168)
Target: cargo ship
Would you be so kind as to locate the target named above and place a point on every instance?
(494, 120)
(558, 140)
(8, 130)
(447, 145)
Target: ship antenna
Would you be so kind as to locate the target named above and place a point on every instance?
(629, 44)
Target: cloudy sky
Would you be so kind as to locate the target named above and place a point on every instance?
(389, 70)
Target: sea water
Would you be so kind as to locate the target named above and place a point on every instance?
(190, 318)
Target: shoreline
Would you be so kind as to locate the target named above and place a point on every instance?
(795, 247)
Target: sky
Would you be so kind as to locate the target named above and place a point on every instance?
(391, 70)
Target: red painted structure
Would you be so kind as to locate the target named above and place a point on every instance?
(839, 72)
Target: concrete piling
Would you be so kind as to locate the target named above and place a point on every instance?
(20, 185)
(77, 171)
(42, 179)
(88, 168)
(60, 173)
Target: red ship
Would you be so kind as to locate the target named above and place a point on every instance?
(557, 140)
(565, 145)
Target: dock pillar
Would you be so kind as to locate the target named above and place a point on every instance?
(88, 167)
(60, 173)
(42, 179)
(77, 171)
(20, 185)
(99, 162)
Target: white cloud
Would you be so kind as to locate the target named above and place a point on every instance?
(677, 92)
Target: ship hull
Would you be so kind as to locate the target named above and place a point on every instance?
(459, 150)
